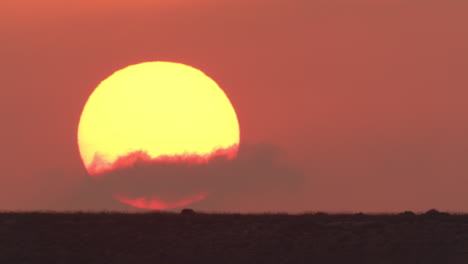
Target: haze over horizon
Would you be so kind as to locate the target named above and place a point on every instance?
(351, 106)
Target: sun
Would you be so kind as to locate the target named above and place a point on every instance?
(156, 110)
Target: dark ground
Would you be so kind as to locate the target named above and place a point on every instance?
(232, 238)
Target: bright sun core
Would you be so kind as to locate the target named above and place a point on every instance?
(161, 109)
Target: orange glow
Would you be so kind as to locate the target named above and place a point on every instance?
(158, 108)
(157, 112)
(156, 204)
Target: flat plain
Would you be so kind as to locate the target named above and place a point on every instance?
(81, 237)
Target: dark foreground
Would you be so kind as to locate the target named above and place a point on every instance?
(232, 238)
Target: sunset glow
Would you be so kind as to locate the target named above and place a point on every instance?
(157, 204)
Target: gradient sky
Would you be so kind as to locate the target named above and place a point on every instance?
(367, 99)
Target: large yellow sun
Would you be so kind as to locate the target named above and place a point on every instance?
(161, 109)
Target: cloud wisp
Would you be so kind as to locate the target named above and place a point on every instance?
(255, 181)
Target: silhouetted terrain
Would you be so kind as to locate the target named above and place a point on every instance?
(232, 238)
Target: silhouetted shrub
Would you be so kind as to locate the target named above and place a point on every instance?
(434, 212)
(187, 211)
(407, 213)
(360, 215)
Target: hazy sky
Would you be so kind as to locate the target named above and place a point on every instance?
(367, 100)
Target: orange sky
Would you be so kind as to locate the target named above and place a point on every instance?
(367, 98)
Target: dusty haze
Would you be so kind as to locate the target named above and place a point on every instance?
(366, 99)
